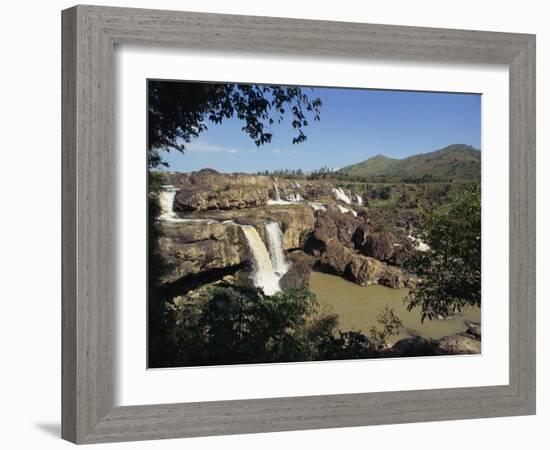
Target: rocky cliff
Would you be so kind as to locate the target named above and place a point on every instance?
(205, 235)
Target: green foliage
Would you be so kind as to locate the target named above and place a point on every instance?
(389, 325)
(229, 324)
(178, 112)
(450, 272)
(238, 324)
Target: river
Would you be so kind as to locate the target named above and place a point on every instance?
(357, 308)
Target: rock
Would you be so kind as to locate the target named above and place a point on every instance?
(459, 344)
(474, 329)
(208, 190)
(332, 246)
(379, 245)
(202, 199)
(295, 221)
(331, 226)
(299, 272)
(365, 270)
(414, 346)
(193, 248)
(210, 178)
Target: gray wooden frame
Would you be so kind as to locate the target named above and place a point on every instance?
(89, 36)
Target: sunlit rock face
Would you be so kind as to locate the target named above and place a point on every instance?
(194, 248)
(333, 245)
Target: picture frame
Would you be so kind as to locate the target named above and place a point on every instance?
(90, 34)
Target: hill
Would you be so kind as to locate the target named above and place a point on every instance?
(456, 162)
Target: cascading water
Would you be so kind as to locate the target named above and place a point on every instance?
(277, 194)
(275, 243)
(346, 210)
(264, 276)
(359, 199)
(166, 201)
(317, 206)
(419, 245)
(339, 194)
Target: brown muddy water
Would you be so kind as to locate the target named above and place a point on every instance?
(357, 308)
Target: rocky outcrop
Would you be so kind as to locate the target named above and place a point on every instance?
(332, 244)
(299, 272)
(201, 199)
(380, 245)
(212, 178)
(208, 190)
(474, 329)
(413, 346)
(296, 221)
(460, 344)
(457, 344)
(194, 248)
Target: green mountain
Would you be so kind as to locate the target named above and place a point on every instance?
(456, 162)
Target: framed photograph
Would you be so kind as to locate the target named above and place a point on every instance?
(277, 224)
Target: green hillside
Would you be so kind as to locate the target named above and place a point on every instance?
(456, 162)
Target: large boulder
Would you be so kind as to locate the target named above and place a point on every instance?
(194, 248)
(208, 190)
(332, 245)
(205, 199)
(413, 346)
(212, 178)
(299, 271)
(379, 244)
(460, 344)
(332, 226)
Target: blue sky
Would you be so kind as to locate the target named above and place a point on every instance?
(355, 125)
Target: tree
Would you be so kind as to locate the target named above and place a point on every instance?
(450, 272)
(179, 111)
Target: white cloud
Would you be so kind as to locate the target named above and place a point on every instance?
(278, 151)
(205, 146)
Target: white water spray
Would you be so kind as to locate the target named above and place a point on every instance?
(317, 206)
(264, 276)
(339, 194)
(277, 194)
(346, 210)
(275, 243)
(167, 213)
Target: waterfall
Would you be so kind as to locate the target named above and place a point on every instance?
(166, 203)
(264, 276)
(277, 195)
(275, 243)
(166, 200)
(317, 206)
(359, 199)
(346, 210)
(418, 244)
(339, 194)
